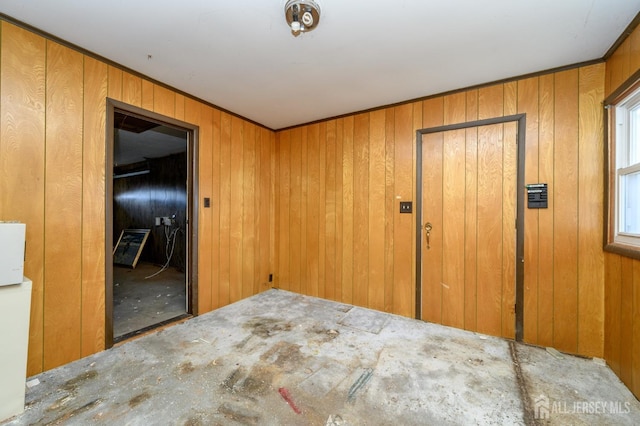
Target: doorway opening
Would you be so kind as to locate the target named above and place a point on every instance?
(150, 169)
(470, 225)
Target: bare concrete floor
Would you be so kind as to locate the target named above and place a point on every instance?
(139, 303)
(279, 358)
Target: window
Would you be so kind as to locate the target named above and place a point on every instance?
(624, 173)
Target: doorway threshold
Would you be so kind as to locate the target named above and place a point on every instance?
(145, 330)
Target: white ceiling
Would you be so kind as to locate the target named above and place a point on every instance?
(241, 56)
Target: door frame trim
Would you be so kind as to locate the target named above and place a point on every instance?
(521, 121)
(192, 205)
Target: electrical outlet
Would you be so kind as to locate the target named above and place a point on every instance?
(166, 220)
(406, 207)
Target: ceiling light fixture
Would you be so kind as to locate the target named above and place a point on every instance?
(302, 15)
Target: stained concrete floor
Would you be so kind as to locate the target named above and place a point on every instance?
(279, 358)
(139, 303)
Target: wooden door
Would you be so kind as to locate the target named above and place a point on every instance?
(468, 230)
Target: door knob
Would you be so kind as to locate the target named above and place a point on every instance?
(427, 228)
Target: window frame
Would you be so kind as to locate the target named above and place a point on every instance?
(626, 98)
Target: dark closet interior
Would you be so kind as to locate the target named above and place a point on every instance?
(150, 196)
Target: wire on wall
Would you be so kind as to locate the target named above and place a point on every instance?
(171, 241)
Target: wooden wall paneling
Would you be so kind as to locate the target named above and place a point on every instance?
(237, 204)
(625, 60)
(416, 124)
(528, 104)
(590, 208)
(215, 200)
(249, 217)
(63, 201)
(489, 237)
(224, 205)
(613, 68)
(205, 217)
(67, 153)
(192, 115)
(404, 284)
(635, 326)
(308, 260)
(295, 212)
(612, 301)
(93, 207)
(22, 136)
(179, 107)
(607, 77)
(622, 275)
(330, 208)
(453, 222)
(208, 241)
(537, 98)
(509, 201)
(322, 200)
(491, 101)
(147, 95)
(304, 194)
(616, 67)
(471, 102)
(377, 214)
(565, 296)
(273, 188)
(115, 83)
(634, 50)
(347, 209)
(164, 101)
(131, 89)
(389, 202)
(546, 142)
(259, 212)
(626, 321)
(276, 228)
(361, 244)
(510, 106)
(284, 209)
(312, 204)
(398, 168)
(455, 108)
(339, 208)
(264, 204)
(471, 213)
(432, 152)
(132, 213)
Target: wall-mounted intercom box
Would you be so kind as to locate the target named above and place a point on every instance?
(12, 240)
(537, 196)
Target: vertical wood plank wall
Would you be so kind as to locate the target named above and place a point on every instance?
(622, 277)
(52, 177)
(369, 166)
(316, 205)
